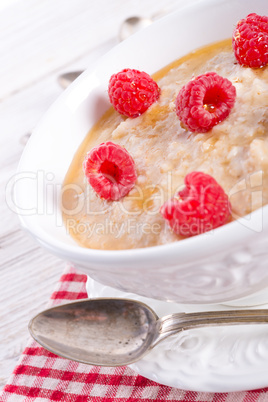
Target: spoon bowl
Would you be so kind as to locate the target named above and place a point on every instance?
(117, 332)
(99, 331)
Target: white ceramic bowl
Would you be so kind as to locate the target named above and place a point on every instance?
(221, 266)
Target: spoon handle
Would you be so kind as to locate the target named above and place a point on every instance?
(173, 323)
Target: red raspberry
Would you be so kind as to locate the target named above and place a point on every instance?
(250, 41)
(204, 102)
(201, 206)
(110, 170)
(131, 92)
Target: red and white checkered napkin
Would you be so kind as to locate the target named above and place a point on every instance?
(42, 376)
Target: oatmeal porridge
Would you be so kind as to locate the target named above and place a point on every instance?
(234, 152)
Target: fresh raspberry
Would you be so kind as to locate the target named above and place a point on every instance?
(110, 170)
(250, 41)
(131, 92)
(204, 102)
(201, 206)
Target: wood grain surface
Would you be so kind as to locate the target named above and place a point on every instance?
(39, 39)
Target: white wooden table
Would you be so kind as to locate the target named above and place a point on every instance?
(39, 39)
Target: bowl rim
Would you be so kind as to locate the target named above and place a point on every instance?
(183, 249)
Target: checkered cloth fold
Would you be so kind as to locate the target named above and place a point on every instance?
(41, 376)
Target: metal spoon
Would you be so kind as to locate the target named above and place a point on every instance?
(129, 26)
(66, 79)
(132, 25)
(116, 332)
